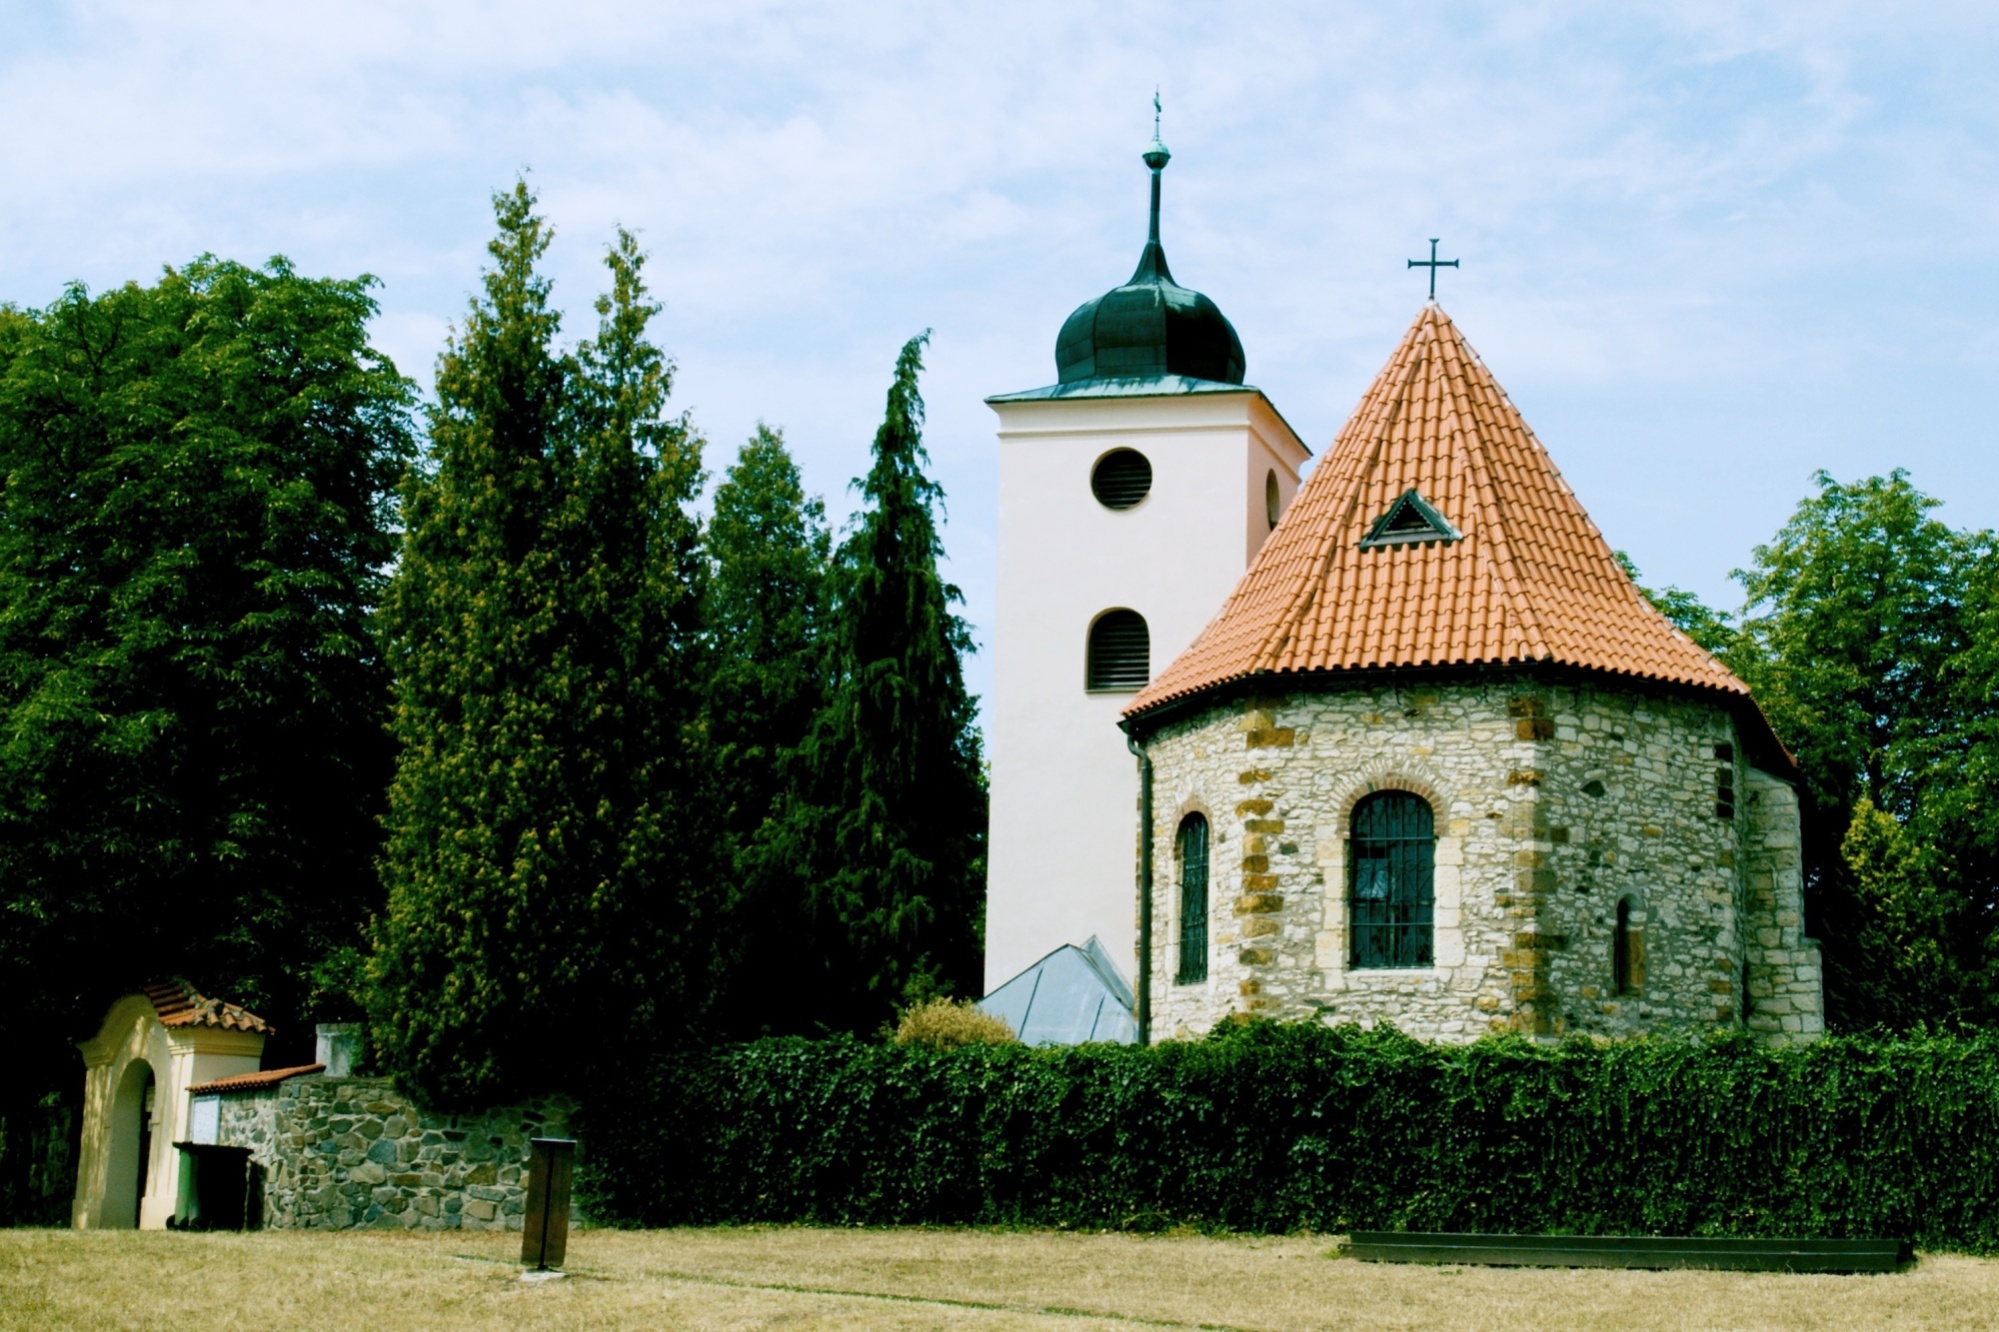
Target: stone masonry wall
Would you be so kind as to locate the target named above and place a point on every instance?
(348, 1152)
(1553, 803)
(1783, 973)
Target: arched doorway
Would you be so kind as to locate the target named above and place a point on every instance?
(130, 1157)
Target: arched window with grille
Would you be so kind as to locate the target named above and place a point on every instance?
(1120, 652)
(1192, 853)
(1393, 857)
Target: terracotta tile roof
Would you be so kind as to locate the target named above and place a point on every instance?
(1531, 580)
(253, 1081)
(178, 1005)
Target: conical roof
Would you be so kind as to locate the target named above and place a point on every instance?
(1437, 532)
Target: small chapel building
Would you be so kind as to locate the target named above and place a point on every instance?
(1433, 760)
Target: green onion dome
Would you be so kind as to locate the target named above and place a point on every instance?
(1151, 325)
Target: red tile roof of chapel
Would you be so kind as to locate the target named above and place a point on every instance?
(179, 1005)
(1531, 580)
(254, 1081)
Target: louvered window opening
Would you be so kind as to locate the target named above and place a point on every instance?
(1120, 654)
(1193, 855)
(1393, 853)
(1122, 478)
(1410, 520)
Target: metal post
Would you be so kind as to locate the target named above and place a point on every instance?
(545, 1228)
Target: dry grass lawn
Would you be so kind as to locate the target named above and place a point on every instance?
(804, 1278)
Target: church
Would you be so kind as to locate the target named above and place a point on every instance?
(1400, 743)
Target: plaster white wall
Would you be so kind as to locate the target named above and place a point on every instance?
(1064, 829)
(179, 1057)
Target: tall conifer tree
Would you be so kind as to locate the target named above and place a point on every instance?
(897, 832)
(541, 624)
(766, 611)
(767, 615)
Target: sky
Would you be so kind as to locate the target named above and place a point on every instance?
(1707, 248)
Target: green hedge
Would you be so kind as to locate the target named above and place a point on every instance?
(1275, 1128)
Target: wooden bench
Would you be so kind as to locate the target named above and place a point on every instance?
(1644, 1251)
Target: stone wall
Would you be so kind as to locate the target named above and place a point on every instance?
(1553, 803)
(1783, 972)
(347, 1152)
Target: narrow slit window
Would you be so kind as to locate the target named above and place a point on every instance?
(1393, 852)
(1192, 853)
(1120, 652)
(1623, 952)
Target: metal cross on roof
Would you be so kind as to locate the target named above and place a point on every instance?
(1433, 263)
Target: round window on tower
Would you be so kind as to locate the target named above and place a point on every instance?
(1121, 479)
(1270, 496)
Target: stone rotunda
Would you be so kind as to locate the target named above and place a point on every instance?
(1438, 762)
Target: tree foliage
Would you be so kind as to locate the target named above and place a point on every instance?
(768, 617)
(546, 828)
(1861, 644)
(888, 828)
(196, 483)
(1868, 638)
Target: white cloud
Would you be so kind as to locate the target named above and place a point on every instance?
(1708, 246)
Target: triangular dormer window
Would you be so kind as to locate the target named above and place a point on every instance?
(1411, 520)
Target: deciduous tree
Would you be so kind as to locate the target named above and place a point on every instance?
(196, 485)
(1861, 642)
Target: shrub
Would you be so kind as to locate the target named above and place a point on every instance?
(942, 1024)
(1276, 1128)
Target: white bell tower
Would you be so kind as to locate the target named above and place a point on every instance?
(1133, 493)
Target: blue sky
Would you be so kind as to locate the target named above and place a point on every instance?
(1708, 248)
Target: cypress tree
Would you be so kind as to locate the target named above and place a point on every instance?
(766, 612)
(896, 831)
(541, 625)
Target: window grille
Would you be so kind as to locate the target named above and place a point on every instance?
(1121, 478)
(1393, 854)
(1193, 851)
(1120, 652)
